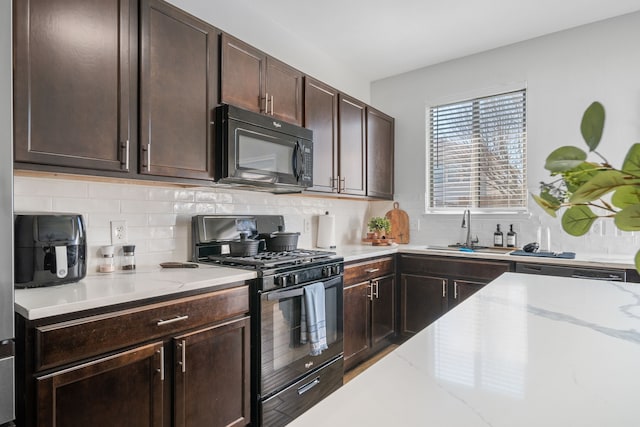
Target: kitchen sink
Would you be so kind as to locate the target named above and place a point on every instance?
(462, 248)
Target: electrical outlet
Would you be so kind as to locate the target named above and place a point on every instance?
(306, 225)
(118, 232)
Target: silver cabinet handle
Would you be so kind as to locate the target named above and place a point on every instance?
(266, 103)
(444, 288)
(377, 283)
(370, 295)
(342, 181)
(272, 105)
(183, 361)
(127, 155)
(174, 320)
(455, 290)
(148, 157)
(161, 370)
(371, 270)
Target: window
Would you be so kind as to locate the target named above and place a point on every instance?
(477, 154)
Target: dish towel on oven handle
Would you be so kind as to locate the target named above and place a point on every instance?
(314, 314)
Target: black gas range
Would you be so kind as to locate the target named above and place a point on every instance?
(287, 379)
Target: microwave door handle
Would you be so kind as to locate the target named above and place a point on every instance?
(296, 160)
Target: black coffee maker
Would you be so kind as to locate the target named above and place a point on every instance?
(50, 249)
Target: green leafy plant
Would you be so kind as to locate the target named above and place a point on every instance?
(379, 223)
(581, 185)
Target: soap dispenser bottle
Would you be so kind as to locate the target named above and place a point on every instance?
(512, 238)
(498, 237)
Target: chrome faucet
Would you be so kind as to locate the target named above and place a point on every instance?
(466, 223)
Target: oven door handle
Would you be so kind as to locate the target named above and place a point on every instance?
(298, 292)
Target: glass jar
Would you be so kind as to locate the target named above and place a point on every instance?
(128, 257)
(107, 264)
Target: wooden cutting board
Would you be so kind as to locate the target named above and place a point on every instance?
(399, 223)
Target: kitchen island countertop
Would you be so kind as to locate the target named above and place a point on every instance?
(524, 351)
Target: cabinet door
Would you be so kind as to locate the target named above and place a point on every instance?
(383, 309)
(284, 91)
(123, 389)
(423, 300)
(463, 289)
(75, 83)
(351, 125)
(212, 376)
(321, 116)
(380, 138)
(357, 304)
(178, 91)
(243, 71)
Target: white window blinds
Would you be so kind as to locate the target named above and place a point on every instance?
(477, 153)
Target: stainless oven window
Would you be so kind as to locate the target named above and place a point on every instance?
(284, 354)
(262, 152)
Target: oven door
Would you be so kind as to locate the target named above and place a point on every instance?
(284, 356)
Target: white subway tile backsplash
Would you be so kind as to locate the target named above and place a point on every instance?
(85, 206)
(32, 203)
(159, 218)
(99, 190)
(171, 194)
(208, 196)
(162, 219)
(142, 206)
(52, 187)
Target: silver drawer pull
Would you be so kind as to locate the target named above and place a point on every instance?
(371, 270)
(175, 319)
(305, 388)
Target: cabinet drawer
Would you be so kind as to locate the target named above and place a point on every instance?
(66, 342)
(445, 266)
(367, 270)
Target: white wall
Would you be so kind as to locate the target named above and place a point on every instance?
(564, 73)
(238, 18)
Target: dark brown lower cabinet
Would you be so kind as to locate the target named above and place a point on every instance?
(211, 376)
(423, 300)
(181, 362)
(369, 309)
(123, 389)
(432, 285)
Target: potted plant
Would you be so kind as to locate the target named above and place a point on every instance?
(379, 225)
(581, 185)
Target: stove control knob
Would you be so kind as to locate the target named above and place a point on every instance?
(326, 271)
(294, 279)
(335, 269)
(281, 281)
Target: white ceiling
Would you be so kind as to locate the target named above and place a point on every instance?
(379, 38)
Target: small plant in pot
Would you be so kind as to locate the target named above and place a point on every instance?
(379, 227)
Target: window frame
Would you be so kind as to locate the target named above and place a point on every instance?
(473, 99)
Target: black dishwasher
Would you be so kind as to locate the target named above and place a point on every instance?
(576, 272)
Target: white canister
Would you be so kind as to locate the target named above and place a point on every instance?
(326, 231)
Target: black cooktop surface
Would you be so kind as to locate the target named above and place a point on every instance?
(272, 259)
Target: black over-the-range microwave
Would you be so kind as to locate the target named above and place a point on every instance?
(261, 152)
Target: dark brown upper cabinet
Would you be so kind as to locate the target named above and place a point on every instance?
(380, 141)
(75, 89)
(352, 175)
(321, 116)
(178, 92)
(252, 80)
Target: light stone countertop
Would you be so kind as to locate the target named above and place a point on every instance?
(358, 252)
(96, 291)
(524, 351)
